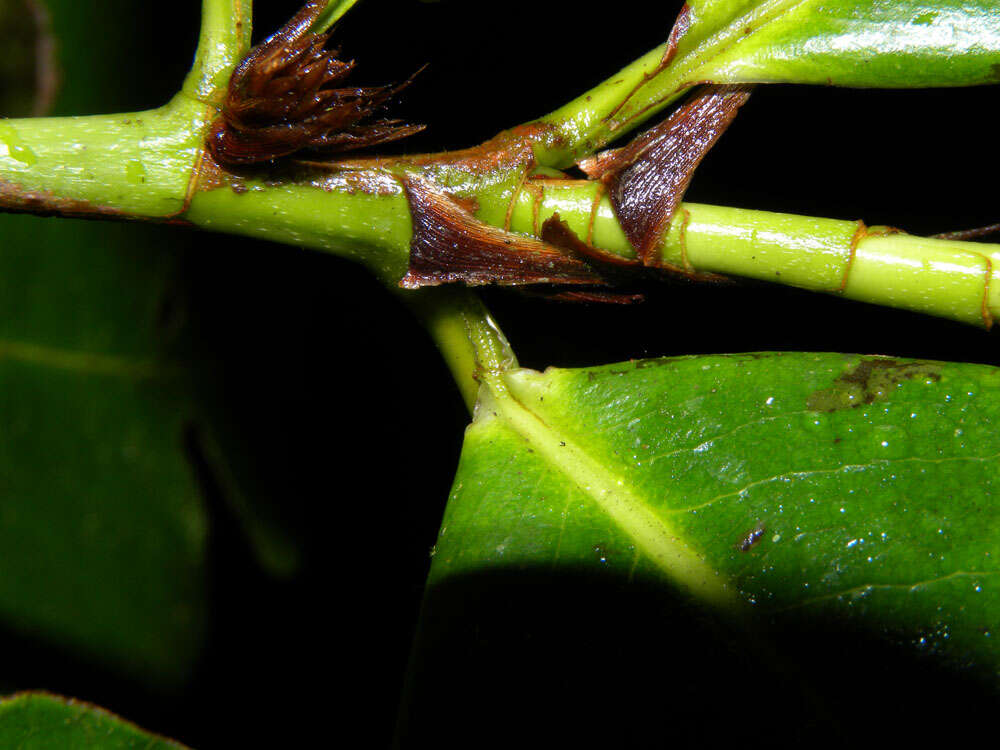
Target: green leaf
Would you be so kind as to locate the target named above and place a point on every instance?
(858, 43)
(904, 43)
(101, 522)
(39, 720)
(855, 493)
(871, 479)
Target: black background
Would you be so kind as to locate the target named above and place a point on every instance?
(352, 420)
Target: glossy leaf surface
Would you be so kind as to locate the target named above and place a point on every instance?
(862, 485)
(850, 493)
(904, 43)
(857, 43)
(38, 720)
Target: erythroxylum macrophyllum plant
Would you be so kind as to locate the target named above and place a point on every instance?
(629, 550)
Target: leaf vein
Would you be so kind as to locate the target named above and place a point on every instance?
(865, 588)
(807, 473)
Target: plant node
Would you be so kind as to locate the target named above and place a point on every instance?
(284, 98)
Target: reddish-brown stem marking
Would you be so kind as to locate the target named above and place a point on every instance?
(968, 234)
(859, 234)
(687, 269)
(680, 27)
(987, 315)
(682, 239)
(595, 205)
(537, 196)
(513, 196)
(557, 232)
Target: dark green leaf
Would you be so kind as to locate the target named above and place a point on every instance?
(103, 526)
(42, 721)
(101, 522)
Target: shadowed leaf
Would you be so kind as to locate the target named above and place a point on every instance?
(103, 525)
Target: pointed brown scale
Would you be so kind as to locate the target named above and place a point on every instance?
(591, 295)
(450, 245)
(375, 134)
(612, 267)
(648, 177)
(599, 164)
(557, 232)
(969, 234)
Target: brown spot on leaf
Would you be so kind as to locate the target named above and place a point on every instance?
(870, 380)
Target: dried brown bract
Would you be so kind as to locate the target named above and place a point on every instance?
(648, 177)
(286, 97)
(450, 244)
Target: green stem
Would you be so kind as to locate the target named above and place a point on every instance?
(223, 41)
(329, 213)
(956, 280)
(584, 125)
(473, 346)
(140, 165)
(132, 165)
(148, 165)
(857, 44)
(331, 14)
(646, 87)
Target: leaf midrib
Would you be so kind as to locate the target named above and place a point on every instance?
(611, 492)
